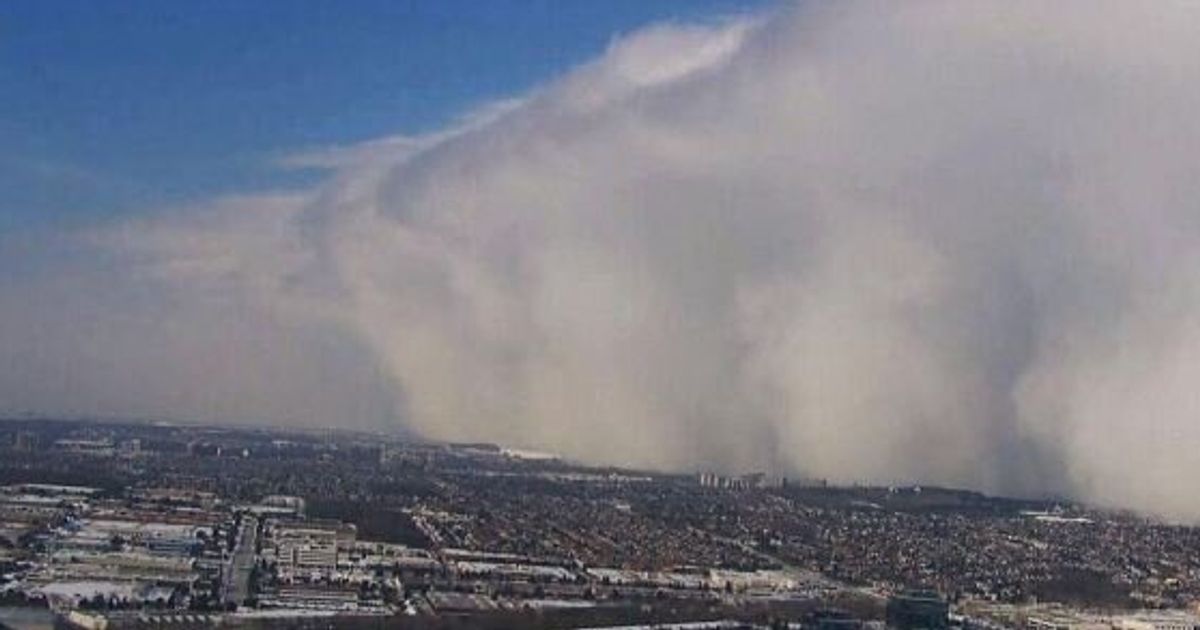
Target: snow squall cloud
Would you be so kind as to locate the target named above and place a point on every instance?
(930, 242)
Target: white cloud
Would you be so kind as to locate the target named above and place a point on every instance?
(930, 241)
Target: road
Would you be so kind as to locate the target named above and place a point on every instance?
(235, 586)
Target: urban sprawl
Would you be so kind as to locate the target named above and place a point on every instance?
(139, 525)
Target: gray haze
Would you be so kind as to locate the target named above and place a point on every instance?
(934, 242)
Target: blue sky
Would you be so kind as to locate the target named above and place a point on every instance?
(119, 107)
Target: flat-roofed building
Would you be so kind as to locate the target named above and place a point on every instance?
(309, 546)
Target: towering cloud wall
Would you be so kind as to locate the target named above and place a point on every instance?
(935, 242)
